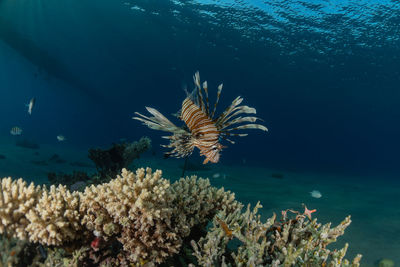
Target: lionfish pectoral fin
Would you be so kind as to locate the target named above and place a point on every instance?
(206, 160)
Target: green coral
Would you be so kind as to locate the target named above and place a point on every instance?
(290, 242)
(10, 248)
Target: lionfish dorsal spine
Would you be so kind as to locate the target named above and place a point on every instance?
(217, 100)
(196, 79)
(205, 88)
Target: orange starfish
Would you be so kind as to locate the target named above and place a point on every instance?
(308, 212)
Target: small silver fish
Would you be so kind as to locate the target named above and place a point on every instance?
(30, 105)
(216, 175)
(16, 130)
(316, 194)
(61, 138)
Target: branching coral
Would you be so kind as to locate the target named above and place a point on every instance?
(50, 217)
(151, 216)
(291, 242)
(139, 207)
(197, 202)
(16, 199)
(55, 219)
(10, 249)
(142, 210)
(141, 218)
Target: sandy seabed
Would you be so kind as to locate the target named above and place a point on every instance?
(373, 202)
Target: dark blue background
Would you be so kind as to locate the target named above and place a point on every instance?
(323, 75)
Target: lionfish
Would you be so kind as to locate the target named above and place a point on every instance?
(201, 129)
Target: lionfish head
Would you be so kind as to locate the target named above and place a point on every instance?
(213, 153)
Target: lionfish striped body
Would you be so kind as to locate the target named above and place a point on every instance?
(202, 131)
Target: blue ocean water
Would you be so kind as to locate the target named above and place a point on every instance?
(323, 75)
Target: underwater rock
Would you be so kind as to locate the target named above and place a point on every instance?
(55, 158)
(110, 162)
(385, 263)
(2, 156)
(81, 164)
(67, 179)
(39, 162)
(25, 143)
(78, 186)
(194, 166)
(277, 175)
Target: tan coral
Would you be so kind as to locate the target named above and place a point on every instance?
(55, 219)
(151, 215)
(197, 201)
(139, 205)
(16, 199)
(95, 216)
(148, 215)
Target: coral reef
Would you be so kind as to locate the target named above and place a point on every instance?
(151, 215)
(37, 214)
(295, 241)
(16, 199)
(55, 220)
(193, 166)
(111, 161)
(20, 253)
(196, 202)
(10, 249)
(109, 164)
(141, 219)
(139, 207)
(143, 211)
